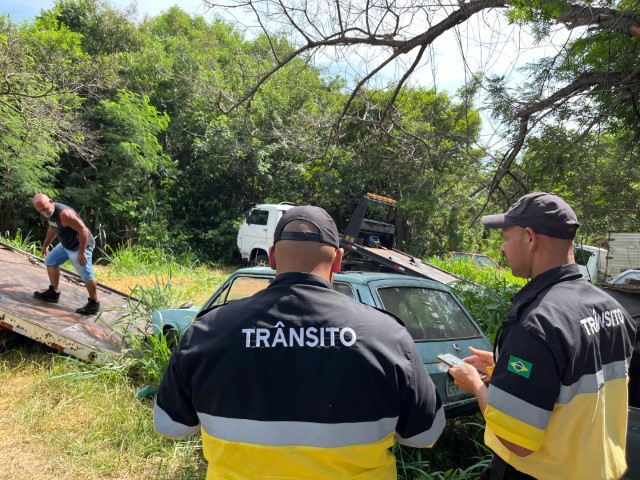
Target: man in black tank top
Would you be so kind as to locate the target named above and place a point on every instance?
(76, 245)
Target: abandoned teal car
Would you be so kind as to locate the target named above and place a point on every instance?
(432, 314)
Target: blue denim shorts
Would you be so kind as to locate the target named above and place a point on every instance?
(59, 255)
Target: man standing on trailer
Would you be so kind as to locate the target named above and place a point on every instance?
(76, 245)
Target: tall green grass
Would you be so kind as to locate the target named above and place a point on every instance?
(458, 454)
(138, 260)
(174, 279)
(22, 242)
(67, 425)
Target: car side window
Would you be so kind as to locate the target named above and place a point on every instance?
(220, 299)
(343, 288)
(243, 287)
(258, 217)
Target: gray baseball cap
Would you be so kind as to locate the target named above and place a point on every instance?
(327, 231)
(544, 213)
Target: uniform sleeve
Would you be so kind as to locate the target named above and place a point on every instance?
(173, 413)
(524, 388)
(422, 416)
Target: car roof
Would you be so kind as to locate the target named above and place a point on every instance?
(471, 254)
(625, 272)
(274, 206)
(361, 277)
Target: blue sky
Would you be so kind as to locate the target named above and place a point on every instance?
(24, 9)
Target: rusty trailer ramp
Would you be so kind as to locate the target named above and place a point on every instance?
(92, 338)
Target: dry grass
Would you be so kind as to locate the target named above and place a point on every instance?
(197, 287)
(56, 425)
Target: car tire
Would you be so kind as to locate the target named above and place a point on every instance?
(261, 261)
(172, 337)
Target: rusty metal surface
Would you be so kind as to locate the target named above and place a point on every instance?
(21, 274)
(415, 264)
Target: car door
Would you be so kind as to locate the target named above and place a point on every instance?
(255, 231)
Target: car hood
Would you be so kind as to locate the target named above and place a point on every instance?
(177, 318)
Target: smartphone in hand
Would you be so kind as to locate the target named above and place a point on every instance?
(453, 361)
(449, 359)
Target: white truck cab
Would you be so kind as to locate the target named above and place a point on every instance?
(592, 262)
(599, 265)
(256, 232)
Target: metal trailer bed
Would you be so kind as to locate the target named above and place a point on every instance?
(92, 338)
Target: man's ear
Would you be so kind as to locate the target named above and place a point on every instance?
(337, 261)
(532, 237)
(272, 257)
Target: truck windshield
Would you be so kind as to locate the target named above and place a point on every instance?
(428, 314)
(582, 256)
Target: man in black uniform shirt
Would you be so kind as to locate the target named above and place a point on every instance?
(76, 245)
(556, 407)
(299, 381)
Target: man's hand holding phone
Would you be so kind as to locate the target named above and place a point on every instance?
(453, 361)
(482, 360)
(464, 372)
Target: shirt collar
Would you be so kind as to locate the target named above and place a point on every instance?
(545, 280)
(292, 278)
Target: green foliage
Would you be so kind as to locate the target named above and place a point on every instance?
(582, 113)
(104, 29)
(489, 305)
(458, 454)
(587, 174)
(145, 353)
(37, 110)
(22, 242)
(164, 160)
(137, 260)
(134, 125)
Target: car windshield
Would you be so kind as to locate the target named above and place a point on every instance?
(632, 277)
(241, 287)
(428, 314)
(484, 261)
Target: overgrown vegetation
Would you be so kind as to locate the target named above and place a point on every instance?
(130, 122)
(488, 305)
(60, 423)
(21, 241)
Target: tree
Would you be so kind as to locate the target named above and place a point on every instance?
(104, 29)
(125, 186)
(599, 176)
(594, 80)
(43, 65)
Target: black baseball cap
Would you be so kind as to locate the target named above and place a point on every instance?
(318, 217)
(544, 213)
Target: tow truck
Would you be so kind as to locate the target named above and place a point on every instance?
(369, 244)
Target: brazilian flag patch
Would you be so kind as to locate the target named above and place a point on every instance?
(519, 366)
